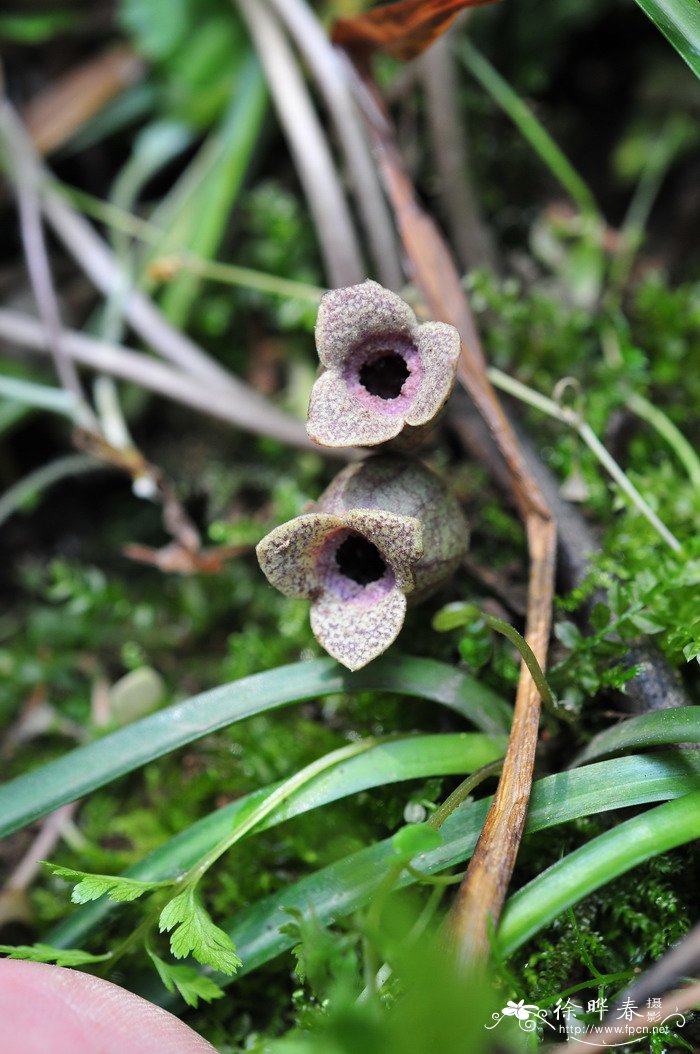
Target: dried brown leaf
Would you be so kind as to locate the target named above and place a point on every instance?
(403, 29)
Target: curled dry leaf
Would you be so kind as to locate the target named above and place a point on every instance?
(385, 528)
(402, 29)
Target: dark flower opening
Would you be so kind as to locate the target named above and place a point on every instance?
(384, 374)
(360, 560)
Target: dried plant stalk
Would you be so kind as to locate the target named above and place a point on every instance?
(482, 893)
(327, 72)
(308, 145)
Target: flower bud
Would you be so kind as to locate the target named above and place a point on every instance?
(384, 373)
(384, 528)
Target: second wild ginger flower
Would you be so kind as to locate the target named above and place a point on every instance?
(384, 529)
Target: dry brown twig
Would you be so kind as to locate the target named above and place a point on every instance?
(26, 185)
(481, 896)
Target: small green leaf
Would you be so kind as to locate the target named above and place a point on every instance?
(92, 887)
(568, 634)
(44, 953)
(194, 933)
(645, 624)
(476, 650)
(452, 616)
(600, 616)
(416, 838)
(189, 982)
(692, 651)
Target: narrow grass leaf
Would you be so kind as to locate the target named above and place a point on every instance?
(529, 127)
(83, 770)
(679, 21)
(662, 727)
(197, 211)
(595, 864)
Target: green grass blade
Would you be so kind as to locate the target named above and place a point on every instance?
(83, 770)
(529, 127)
(596, 863)
(417, 757)
(347, 885)
(195, 215)
(663, 727)
(679, 21)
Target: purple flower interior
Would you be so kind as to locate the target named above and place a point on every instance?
(352, 568)
(384, 374)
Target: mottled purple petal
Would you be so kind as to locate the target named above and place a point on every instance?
(354, 633)
(398, 538)
(348, 317)
(288, 554)
(337, 419)
(438, 345)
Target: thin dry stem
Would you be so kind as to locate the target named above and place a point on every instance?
(470, 236)
(680, 961)
(25, 178)
(49, 834)
(481, 896)
(100, 264)
(248, 409)
(309, 147)
(158, 377)
(64, 106)
(330, 78)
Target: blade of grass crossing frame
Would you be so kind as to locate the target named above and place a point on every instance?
(529, 127)
(679, 21)
(595, 864)
(663, 727)
(196, 212)
(83, 770)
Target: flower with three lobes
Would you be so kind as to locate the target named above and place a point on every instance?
(384, 372)
(384, 529)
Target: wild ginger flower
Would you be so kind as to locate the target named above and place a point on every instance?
(383, 370)
(384, 528)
